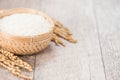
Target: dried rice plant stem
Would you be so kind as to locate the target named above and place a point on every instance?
(16, 60)
(15, 71)
(62, 32)
(58, 24)
(13, 63)
(57, 40)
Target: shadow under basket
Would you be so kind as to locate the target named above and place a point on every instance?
(25, 45)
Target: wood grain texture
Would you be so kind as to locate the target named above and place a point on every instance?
(108, 18)
(81, 61)
(96, 26)
(7, 4)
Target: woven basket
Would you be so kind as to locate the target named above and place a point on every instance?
(25, 45)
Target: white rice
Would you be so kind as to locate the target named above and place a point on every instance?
(24, 24)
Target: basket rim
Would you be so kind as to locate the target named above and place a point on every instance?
(26, 10)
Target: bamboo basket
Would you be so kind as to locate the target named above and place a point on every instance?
(25, 45)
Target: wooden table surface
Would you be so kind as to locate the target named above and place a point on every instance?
(96, 26)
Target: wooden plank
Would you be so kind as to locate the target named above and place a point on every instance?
(108, 18)
(6, 4)
(81, 61)
(35, 4)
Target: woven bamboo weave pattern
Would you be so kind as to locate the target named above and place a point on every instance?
(23, 45)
